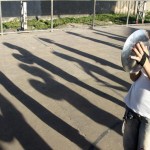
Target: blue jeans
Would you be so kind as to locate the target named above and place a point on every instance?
(136, 131)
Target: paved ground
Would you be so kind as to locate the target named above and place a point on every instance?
(63, 90)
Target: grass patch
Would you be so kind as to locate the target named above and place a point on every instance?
(100, 19)
(15, 24)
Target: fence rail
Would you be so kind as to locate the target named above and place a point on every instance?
(75, 0)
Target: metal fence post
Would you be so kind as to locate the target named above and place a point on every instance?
(23, 15)
(51, 15)
(1, 19)
(128, 13)
(94, 11)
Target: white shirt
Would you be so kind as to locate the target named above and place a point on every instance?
(138, 97)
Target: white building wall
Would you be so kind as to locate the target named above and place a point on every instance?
(122, 7)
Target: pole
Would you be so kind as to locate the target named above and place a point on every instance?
(51, 15)
(1, 19)
(128, 13)
(94, 11)
(143, 15)
(23, 18)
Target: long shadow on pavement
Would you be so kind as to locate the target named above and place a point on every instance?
(89, 68)
(96, 40)
(110, 35)
(92, 57)
(42, 113)
(13, 125)
(27, 57)
(58, 91)
(78, 101)
(94, 68)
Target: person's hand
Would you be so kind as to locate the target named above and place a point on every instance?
(141, 53)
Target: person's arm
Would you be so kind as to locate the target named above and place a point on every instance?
(139, 50)
(135, 76)
(147, 68)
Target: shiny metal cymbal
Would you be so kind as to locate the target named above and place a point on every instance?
(128, 64)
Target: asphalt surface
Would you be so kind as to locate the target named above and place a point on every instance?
(63, 90)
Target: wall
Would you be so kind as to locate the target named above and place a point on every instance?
(42, 8)
(122, 7)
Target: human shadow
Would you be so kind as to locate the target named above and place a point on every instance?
(13, 125)
(43, 114)
(96, 40)
(58, 91)
(89, 69)
(28, 58)
(128, 32)
(122, 39)
(92, 57)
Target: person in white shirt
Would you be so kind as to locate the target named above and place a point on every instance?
(136, 126)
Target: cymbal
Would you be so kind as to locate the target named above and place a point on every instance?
(130, 65)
